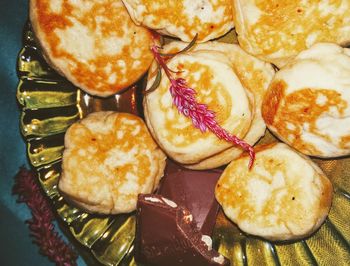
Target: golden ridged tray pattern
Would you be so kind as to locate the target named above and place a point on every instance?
(50, 104)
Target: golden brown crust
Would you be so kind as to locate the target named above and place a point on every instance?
(183, 19)
(276, 31)
(307, 103)
(110, 158)
(285, 196)
(97, 47)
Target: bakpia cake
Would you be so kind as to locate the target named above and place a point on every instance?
(109, 159)
(255, 76)
(94, 44)
(308, 103)
(217, 86)
(276, 31)
(183, 19)
(284, 196)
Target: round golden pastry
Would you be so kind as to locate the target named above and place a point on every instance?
(276, 31)
(254, 74)
(285, 195)
(94, 44)
(183, 18)
(210, 74)
(308, 102)
(109, 159)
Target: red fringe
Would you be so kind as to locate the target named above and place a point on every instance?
(42, 230)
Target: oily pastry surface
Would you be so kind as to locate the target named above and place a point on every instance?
(254, 74)
(276, 31)
(109, 158)
(217, 86)
(183, 18)
(284, 196)
(94, 44)
(308, 103)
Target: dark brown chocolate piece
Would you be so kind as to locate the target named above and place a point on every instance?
(166, 234)
(193, 190)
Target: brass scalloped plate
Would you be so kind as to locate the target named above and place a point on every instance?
(50, 104)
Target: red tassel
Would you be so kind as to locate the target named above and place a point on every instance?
(42, 230)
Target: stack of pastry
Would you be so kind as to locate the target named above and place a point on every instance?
(230, 82)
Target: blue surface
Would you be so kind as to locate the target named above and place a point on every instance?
(16, 247)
